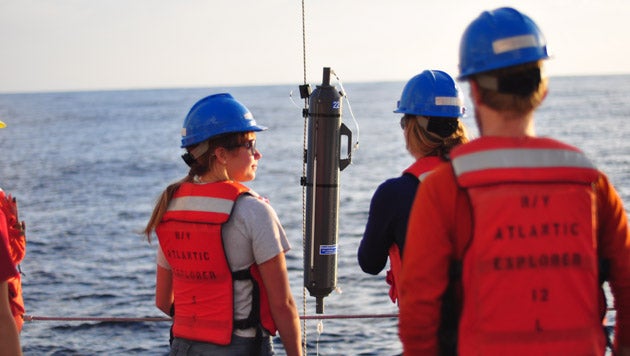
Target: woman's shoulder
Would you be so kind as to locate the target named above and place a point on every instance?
(253, 199)
(404, 184)
(255, 205)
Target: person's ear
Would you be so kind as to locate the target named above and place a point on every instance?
(475, 95)
(221, 154)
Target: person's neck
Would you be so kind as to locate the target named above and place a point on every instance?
(213, 177)
(495, 123)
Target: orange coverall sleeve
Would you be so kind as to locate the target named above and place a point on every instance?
(426, 259)
(614, 238)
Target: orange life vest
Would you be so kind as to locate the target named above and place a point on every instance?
(17, 249)
(423, 167)
(530, 275)
(190, 237)
(419, 169)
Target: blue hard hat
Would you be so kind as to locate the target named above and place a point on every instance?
(215, 115)
(500, 38)
(431, 93)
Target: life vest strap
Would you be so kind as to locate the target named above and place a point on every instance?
(253, 319)
(242, 275)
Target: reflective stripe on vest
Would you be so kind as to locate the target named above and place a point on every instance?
(219, 205)
(529, 275)
(208, 203)
(524, 159)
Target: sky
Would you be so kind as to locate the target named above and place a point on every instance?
(72, 45)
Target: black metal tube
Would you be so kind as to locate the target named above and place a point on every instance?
(322, 191)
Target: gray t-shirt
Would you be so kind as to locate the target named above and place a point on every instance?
(252, 235)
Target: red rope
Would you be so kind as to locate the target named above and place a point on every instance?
(102, 319)
(130, 320)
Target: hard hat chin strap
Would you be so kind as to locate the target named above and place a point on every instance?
(191, 156)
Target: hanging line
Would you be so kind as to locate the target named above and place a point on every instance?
(345, 95)
(305, 94)
(304, 145)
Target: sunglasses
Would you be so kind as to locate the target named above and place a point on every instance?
(250, 145)
(403, 121)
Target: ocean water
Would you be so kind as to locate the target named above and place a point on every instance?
(87, 167)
